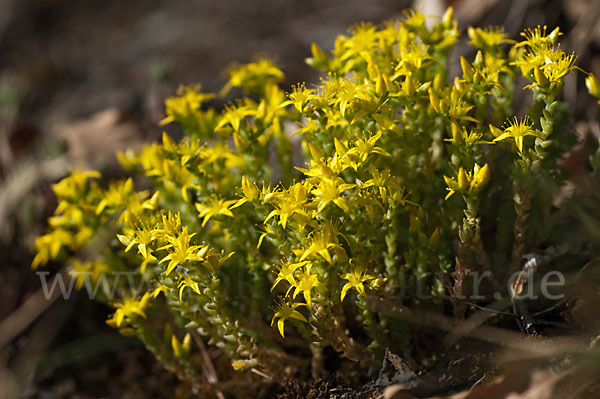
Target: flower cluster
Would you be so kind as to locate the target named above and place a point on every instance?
(238, 242)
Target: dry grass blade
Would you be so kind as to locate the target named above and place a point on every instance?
(207, 365)
(30, 310)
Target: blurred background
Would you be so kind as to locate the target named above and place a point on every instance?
(80, 80)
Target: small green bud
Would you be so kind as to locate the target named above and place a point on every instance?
(192, 325)
(551, 107)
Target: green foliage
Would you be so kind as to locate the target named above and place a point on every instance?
(239, 244)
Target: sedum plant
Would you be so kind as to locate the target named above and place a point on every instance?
(290, 222)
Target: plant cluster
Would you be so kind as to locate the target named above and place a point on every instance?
(314, 214)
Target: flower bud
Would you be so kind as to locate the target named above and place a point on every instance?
(463, 180)
(408, 88)
(315, 152)
(186, 346)
(249, 189)
(434, 101)
(240, 141)
(435, 238)
(540, 77)
(381, 87)
(593, 85)
(495, 131)
(457, 136)
(478, 61)
(438, 82)
(447, 19)
(340, 148)
(176, 345)
(168, 332)
(467, 69)
(481, 177)
(319, 58)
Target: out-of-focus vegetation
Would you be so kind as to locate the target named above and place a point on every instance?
(563, 195)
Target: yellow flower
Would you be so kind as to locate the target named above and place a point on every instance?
(356, 279)
(142, 236)
(188, 101)
(286, 209)
(412, 57)
(469, 138)
(234, 115)
(81, 271)
(249, 189)
(323, 240)
(330, 190)
(468, 183)
(265, 231)
(116, 195)
(253, 77)
(129, 308)
(358, 154)
(321, 170)
(286, 272)
(517, 130)
(187, 282)
(181, 251)
(488, 38)
(306, 282)
(160, 288)
(288, 205)
(49, 245)
(174, 175)
(215, 207)
(170, 225)
(300, 97)
(73, 186)
(537, 39)
(286, 310)
(186, 149)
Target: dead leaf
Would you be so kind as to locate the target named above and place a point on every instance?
(93, 142)
(518, 384)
